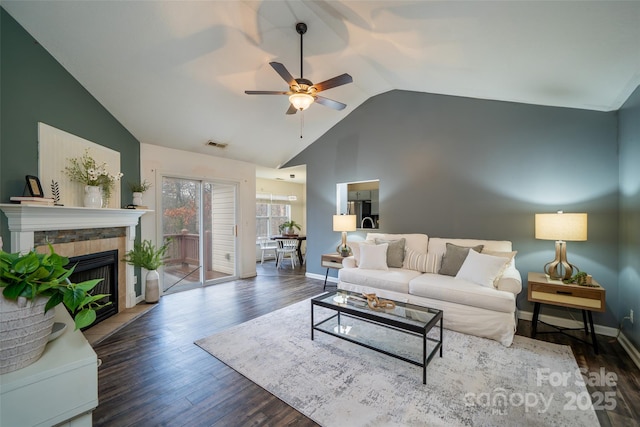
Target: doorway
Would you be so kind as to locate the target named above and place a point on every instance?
(199, 221)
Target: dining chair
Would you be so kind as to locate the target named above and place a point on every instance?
(267, 246)
(287, 247)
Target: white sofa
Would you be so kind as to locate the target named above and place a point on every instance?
(483, 310)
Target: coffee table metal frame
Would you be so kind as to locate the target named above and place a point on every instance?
(395, 322)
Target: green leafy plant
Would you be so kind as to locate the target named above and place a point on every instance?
(147, 255)
(35, 275)
(139, 187)
(288, 224)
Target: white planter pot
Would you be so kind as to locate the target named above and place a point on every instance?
(137, 198)
(24, 332)
(92, 196)
(152, 287)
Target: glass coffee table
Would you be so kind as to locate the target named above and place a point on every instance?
(350, 318)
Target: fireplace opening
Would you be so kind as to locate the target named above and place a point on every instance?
(100, 265)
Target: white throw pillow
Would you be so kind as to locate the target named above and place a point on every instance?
(482, 269)
(373, 257)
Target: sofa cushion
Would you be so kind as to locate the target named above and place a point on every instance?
(395, 251)
(454, 257)
(394, 279)
(482, 269)
(438, 246)
(373, 257)
(510, 255)
(417, 242)
(447, 288)
(424, 263)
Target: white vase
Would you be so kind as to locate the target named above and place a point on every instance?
(152, 287)
(92, 196)
(137, 198)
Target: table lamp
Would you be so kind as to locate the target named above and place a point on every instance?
(561, 227)
(344, 223)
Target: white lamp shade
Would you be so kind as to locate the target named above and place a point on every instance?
(344, 223)
(561, 226)
(301, 101)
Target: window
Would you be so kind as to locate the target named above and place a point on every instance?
(271, 211)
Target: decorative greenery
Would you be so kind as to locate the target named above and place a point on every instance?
(32, 275)
(55, 191)
(146, 255)
(87, 171)
(288, 224)
(579, 278)
(139, 187)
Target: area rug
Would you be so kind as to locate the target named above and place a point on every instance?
(477, 382)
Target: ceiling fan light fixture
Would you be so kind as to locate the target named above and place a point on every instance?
(301, 101)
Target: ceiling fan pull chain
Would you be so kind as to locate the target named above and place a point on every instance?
(301, 123)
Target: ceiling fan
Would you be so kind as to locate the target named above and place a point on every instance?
(302, 92)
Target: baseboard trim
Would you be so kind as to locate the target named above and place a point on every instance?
(321, 277)
(631, 350)
(568, 323)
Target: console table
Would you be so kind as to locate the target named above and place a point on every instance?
(60, 388)
(542, 290)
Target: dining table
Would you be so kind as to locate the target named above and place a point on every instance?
(299, 238)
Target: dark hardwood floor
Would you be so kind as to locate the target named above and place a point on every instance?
(153, 374)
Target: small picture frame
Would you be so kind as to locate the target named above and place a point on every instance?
(33, 186)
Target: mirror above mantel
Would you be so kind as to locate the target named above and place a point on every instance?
(360, 198)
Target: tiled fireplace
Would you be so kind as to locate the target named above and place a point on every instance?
(76, 231)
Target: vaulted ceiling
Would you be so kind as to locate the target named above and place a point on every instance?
(174, 72)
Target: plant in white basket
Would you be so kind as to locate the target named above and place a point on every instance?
(32, 284)
(86, 170)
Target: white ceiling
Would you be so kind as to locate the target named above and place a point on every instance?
(174, 72)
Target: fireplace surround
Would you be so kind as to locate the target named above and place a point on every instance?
(101, 230)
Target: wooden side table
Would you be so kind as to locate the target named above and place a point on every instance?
(331, 261)
(542, 290)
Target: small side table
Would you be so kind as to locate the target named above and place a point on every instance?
(331, 261)
(542, 290)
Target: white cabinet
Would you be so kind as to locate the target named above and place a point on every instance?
(60, 387)
(360, 195)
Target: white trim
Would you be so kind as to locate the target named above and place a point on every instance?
(568, 323)
(631, 350)
(321, 277)
(25, 220)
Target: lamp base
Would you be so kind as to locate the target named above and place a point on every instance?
(344, 251)
(560, 268)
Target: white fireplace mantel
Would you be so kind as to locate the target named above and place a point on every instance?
(25, 220)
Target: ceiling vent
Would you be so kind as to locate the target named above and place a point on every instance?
(212, 143)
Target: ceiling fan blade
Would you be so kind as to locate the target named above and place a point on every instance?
(292, 109)
(284, 73)
(340, 80)
(266, 92)
(330, 103)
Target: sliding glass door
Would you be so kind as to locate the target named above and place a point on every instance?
(199, 220)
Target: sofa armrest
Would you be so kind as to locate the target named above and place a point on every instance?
(349, 262)
(511, 281)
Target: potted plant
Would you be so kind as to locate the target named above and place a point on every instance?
(146, 255)
(287, 227)
(32, 284)
(137, 188)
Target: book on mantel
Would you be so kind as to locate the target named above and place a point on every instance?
(32, 201)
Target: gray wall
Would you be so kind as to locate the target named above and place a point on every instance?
(36, 88)
(460, 167)
(629, 137)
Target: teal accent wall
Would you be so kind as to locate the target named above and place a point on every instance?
(629, 141)
(34, 88)
(469, 168)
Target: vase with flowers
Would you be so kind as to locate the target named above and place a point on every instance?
(98, 181)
